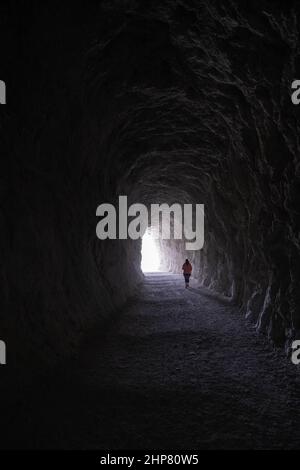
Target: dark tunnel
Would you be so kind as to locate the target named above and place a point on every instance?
(174, 102)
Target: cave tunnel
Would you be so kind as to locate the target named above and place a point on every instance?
(183, 102)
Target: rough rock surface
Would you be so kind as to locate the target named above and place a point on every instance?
(172, 101)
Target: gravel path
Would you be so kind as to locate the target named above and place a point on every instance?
(179, 369)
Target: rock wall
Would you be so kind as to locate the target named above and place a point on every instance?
(169, 102)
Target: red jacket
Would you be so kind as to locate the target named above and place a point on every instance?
(187, 268)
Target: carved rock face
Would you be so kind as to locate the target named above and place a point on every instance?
(185, 102)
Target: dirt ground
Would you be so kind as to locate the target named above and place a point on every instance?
(178, 369)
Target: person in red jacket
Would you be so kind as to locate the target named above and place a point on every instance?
(187, 271)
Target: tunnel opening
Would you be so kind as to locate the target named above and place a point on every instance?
(151, 261)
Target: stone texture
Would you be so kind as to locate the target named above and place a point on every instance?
(179, 101)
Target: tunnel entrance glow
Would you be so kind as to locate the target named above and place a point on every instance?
(150, 254)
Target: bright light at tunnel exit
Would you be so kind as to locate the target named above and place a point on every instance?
(150, 255)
